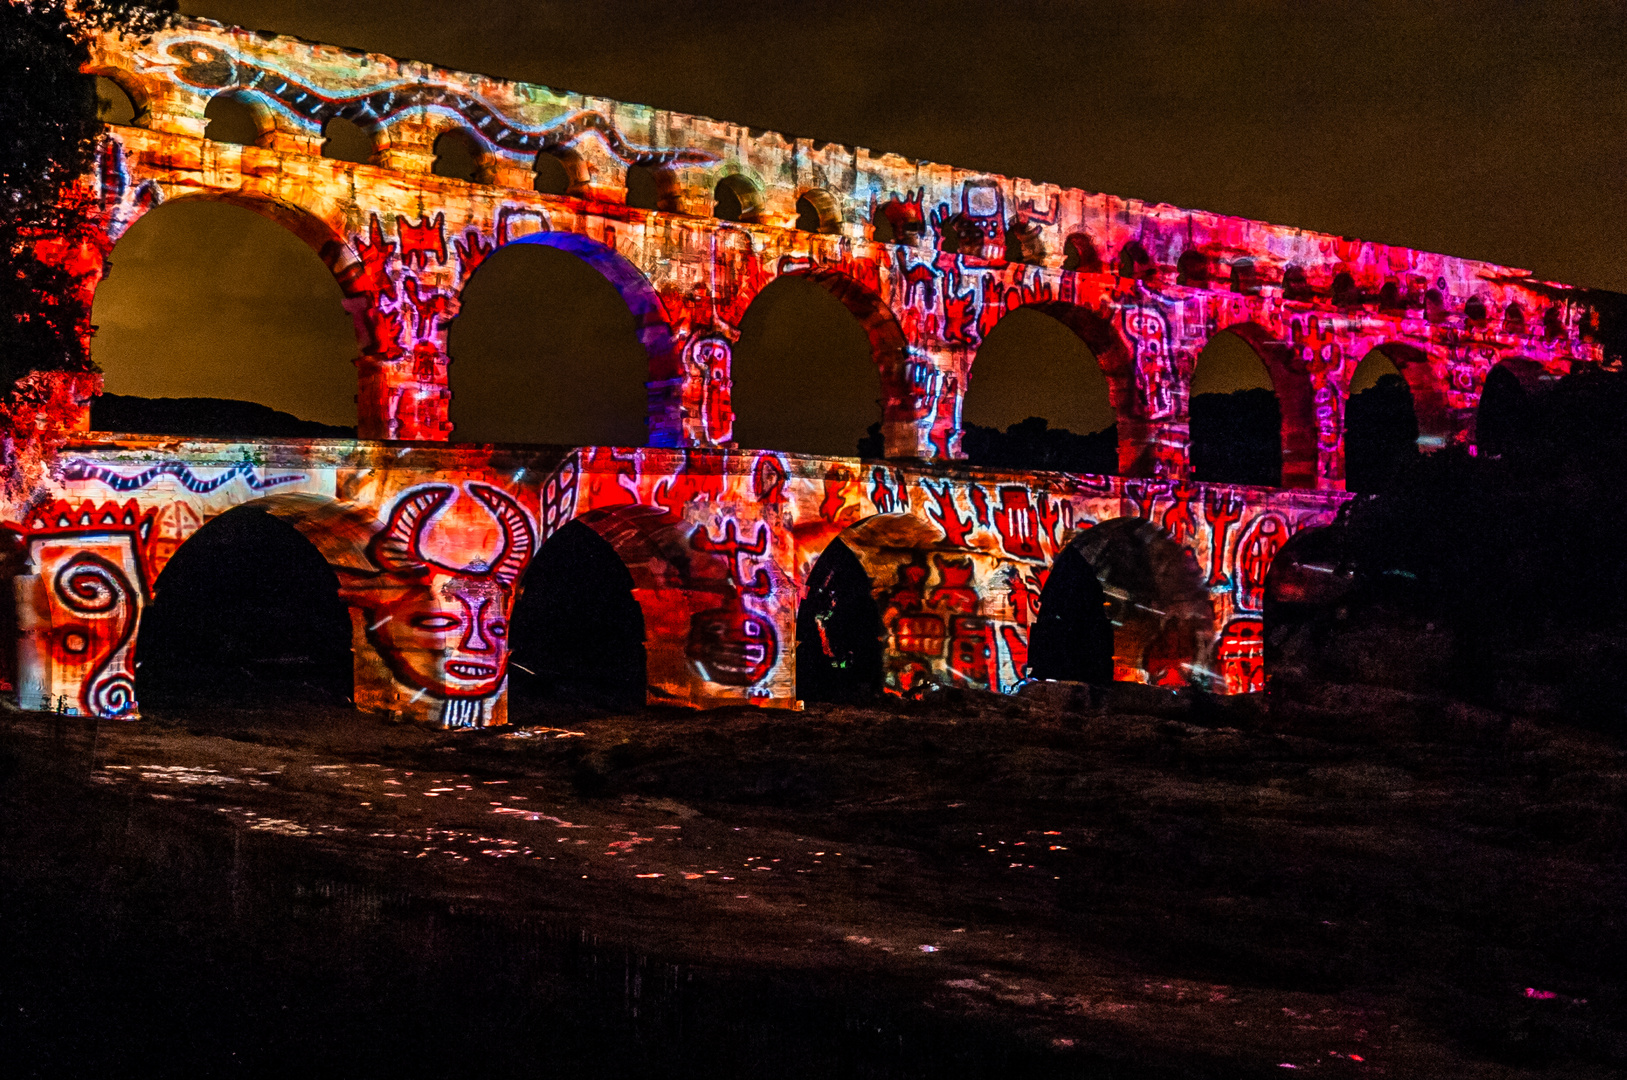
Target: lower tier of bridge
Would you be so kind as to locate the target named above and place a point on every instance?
(754, 577)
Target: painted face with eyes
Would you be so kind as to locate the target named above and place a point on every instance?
(451, 637)
(445, 631)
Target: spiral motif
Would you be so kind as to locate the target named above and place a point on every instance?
(90, 585)
(112, 695)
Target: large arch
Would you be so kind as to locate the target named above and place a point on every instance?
(1436, 427)
(1156, 601)
(839, 630)
(576, 632)
(153, 316)
(1031, 364)
(1072, 637)
(1381, 430)
(899, 407)
(1296, 401)
(1132, 417)
(1504, 412)
(247, 609)
(1306, 579)
(625, 411)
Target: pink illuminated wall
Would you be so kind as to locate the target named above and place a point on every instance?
(431, 541)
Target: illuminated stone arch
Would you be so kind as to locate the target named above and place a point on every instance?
(707, 641)
(1437, 424)
(1135, 413)
(337, 533)
(310, 225)
(909, 403)
(1157, 603)
(667, 382)
(1296, 396)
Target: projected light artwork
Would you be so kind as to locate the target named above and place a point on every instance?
(430, 540)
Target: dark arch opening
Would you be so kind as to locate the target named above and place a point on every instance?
(1474, 309)
(805, 377)
(1295, 285)
(1506, 415)
(1345, 292)
(839, 631)
(577, 633)
(1024, 243)
(1236, 420)
(246, 611)
(736, 199)
(1514, 319)
(1156, 601)
(1381, 425)
(1079, 254)
(1307, 578)
(1134, 262)
(807, 215)
(643, 190)
(1245, 280)
(113, 105)
(1072, 638)
(546, 349)
(881, 228)
(1037, 399)
(1192, 268)
(230, 119)
(1389, 297)
(551, 177)
(219, 322)
(455, 156)
(346, 140)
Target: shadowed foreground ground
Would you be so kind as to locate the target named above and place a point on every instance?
(972, 886)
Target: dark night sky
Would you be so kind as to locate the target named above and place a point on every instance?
(1490, 131)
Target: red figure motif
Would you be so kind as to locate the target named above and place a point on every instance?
(905, 216)
(971, 650)
(1222, 509)
(882, 496)
(444, 629)
(1018, 524)
(1256, 548)
(472, 250)
(1242, 656)
(420, 241)
(370, 273)
(707, 362)
(729, 644)
(1149, 336)
(954, 591)
(980, 503)
(840, 485)
(768, 480)
(430, 306)
(1178, 521)
(959, 313)
(947, 514)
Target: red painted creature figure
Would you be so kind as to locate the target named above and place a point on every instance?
(440, 628)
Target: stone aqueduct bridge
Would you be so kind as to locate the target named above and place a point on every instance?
(431, 539)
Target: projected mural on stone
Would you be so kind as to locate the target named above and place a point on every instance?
(430, 541)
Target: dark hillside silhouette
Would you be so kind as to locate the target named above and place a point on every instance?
(214, 418)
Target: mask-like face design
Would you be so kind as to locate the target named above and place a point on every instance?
(731, 645)
(446, 630)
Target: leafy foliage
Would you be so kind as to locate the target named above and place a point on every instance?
(47, 143)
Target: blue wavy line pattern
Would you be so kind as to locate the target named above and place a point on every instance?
(84, 470)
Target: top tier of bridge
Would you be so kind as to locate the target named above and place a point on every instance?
(928, 257)
(294, 87)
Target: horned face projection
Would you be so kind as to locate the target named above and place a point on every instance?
(440, 628)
